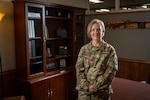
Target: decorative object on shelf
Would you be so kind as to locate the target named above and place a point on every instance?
(128, 24)
(63, 50)
(46, 13)
(62, 32)
(59, 14)
(69, 15)
(62, 62)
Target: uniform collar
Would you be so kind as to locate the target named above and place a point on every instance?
(100, 47)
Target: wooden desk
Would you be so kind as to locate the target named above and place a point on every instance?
(130, 90)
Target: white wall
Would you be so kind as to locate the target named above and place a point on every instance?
(7, 40)
(129, 43)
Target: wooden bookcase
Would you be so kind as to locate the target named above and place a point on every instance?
(79, 30)
(47, 39)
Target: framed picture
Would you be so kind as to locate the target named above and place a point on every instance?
(62, 62)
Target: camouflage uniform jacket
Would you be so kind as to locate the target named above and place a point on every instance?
(96, 66)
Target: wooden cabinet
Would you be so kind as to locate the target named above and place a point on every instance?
(46, 88)
(49, 89)
(47, 37)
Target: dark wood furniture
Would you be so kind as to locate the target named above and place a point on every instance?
(130, 90)
(132, 69)
(47, 42)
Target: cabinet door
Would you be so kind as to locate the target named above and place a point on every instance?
(57, 88)
(29, 29)
(40, 90)
(35, 29)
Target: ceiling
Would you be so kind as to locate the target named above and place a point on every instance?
(109, 4)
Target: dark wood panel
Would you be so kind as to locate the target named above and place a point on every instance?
(132, 69)
(7, 83)
(57, 88)
(40, 90)
(71, 93)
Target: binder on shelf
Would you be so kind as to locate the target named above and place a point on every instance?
(31, 28)
(32, 48)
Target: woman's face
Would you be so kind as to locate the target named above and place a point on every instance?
(96, 32)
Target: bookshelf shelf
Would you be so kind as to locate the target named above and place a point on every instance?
(53, 17)
(59, 38)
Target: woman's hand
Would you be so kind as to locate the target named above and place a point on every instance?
(92, 89)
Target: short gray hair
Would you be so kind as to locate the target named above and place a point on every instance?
(100, 22)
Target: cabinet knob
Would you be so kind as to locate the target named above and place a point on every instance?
(51, 92)
(48, 93)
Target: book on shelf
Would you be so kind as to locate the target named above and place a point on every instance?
(30, 52)
(31, 28)
(46, 32)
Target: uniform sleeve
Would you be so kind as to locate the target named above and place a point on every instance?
(82, 83)
(105, 79)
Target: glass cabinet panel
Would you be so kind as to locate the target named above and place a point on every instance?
(35, 38)
(80, 29)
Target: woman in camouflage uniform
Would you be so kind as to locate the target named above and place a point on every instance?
(96, 65)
